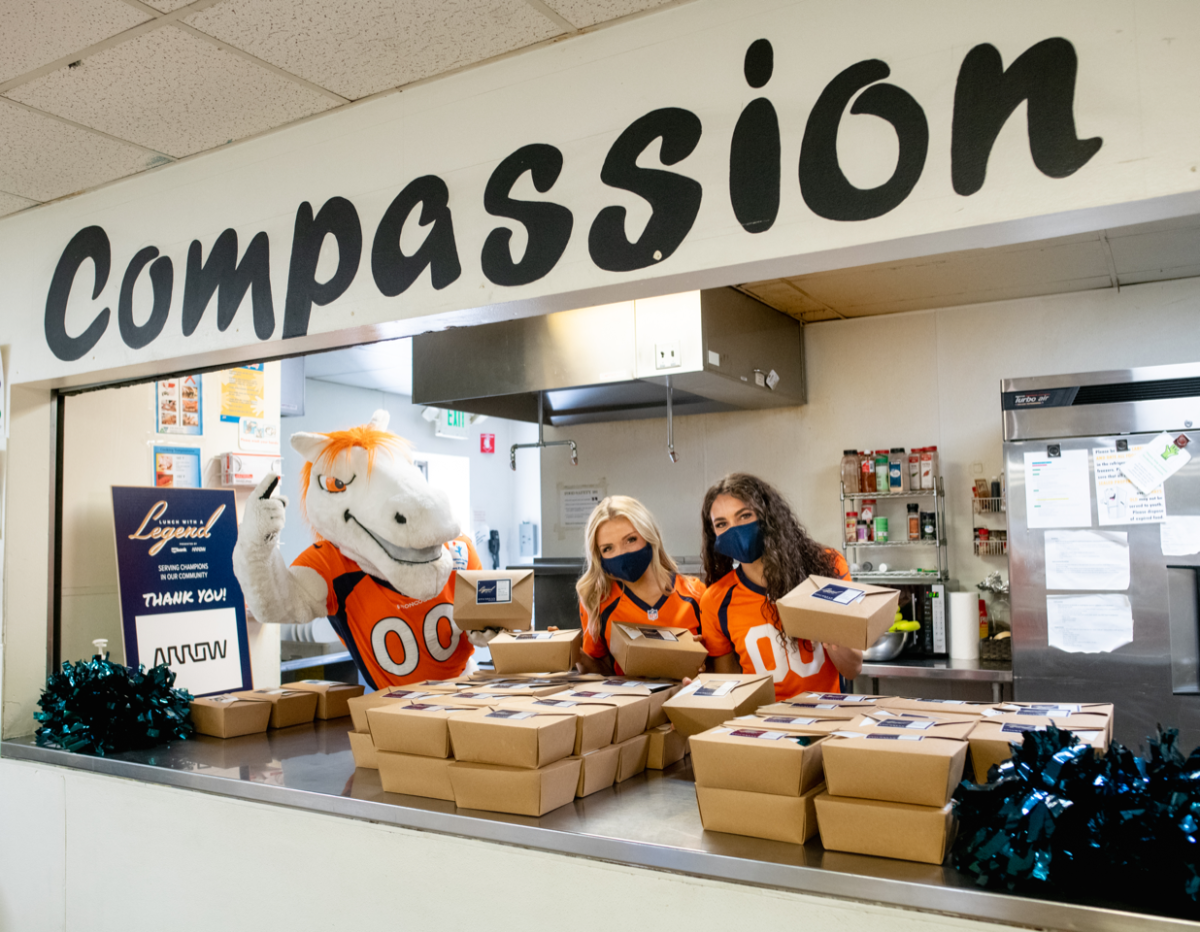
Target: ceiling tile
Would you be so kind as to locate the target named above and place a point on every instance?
(358, 47)
(37, 32)
(11, 203)
(167, 6)
(43, 158)
(173, 92)
(581, 13)
(781, 295)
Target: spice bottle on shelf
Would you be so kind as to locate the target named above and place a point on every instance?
(850, 471)
(929, 465)
(914, 521)
(897, 470)
(928, 525)
(995, 488)
(914, 469)
(867, 472)
(866, 515)
(983, 620)
(862, 532)
(881, 530)
(851, 526)
(881, 471)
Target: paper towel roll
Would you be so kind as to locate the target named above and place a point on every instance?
(964, 625)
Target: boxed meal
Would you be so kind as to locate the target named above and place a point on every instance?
(800, 724)
(1063, 714)
(535, 651)
(942, 726)
(415, 775)
(935, 706)
(658, 691)
(713, 698)
(514, 686)
(759, 815)
(332, 696)
(632, 757)
(419, 728)
(363, 749)
(518, 790)
(229, 716)
(512, 737)
(442, 686)
(854, 701)
(852, 614)
(992, 739)
(288, 706)
(826, 711)
(595, 723)
(757, 760)
(665, 747)
(921, 767)
(358, 705)
(633, 711)
(477, 698)
(598, 770)
(885, 829)
(650, 650)
(493, 599)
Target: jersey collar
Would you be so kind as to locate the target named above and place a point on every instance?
(642, 605)
(746, 581)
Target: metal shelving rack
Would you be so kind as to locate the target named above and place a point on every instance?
(938, 574)
(990, 506)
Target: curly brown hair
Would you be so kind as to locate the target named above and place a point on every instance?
(789, 555)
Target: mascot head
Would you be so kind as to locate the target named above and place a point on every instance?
(362, 493)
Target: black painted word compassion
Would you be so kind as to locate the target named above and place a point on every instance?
(985, 97)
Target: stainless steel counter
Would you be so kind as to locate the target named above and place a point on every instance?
(649, 821)
(943, 668)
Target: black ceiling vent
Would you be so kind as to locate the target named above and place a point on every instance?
(1137, 391)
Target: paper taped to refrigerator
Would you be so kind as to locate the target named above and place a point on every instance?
(1179, 535)
(1118, 501)
(1088, 624)
(1057, 489)
(1159, 459)
(1087, 560)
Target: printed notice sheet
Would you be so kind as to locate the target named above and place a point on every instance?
(1087, 560)
(1088, 624)
(1158, 460)
(1118, 501)
(1057, 490)
(1180, 535)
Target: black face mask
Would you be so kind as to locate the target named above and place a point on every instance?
(628, 567)
(743, 542)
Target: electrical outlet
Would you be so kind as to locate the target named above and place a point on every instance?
(666, 356)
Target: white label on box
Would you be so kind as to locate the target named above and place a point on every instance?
(223, 699)
(515, 715)
(405, 694)
(1047, 713)
(650, 632)
(493, 591)
(323, 683)
(628, 684)
(425, 707)
(1010, 728)
(896, 737)
(1050, 705)
(716, 690)
(476, 696)
(557, 703)
(588, 694)
(814, 705)
(275, 692)
(842, 595)
(533, 636)
(839, 697)
(755, 733)
(900, 723)
(785, 720)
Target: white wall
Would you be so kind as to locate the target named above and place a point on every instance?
(931, 377)
(501, 497)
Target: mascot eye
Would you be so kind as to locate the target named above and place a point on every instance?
(332, 484)
(400, 519)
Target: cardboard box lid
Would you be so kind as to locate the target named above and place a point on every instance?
(935, 706)
(277, 694)
(328, 686)
(757, 759)
(414, 728)
(526, 652)
(511, 686)
(656, 651)
(895, 765)
(226, 701)
(637, 687)
(827, 710)
(886, 723)
(712, 698)
(493, 599)
(801, 724)
(852, 700)
(812, 611)
(512, 737)
(1068, 721)
(594, 723)
(1007, 731)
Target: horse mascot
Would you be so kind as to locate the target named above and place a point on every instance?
(382, 568)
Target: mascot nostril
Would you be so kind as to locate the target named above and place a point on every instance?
(368, 584)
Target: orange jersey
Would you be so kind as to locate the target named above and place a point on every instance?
(393, 639)
(679, 608)
(736, 616)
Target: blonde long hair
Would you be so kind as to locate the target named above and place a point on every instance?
(595, 584)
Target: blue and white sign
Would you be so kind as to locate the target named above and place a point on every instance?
(180, 602)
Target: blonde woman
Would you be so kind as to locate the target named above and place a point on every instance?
(629, 578)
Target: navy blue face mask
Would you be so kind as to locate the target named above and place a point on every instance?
(742, 542)
(628, 567)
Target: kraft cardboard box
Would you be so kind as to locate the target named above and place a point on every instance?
(633, 755)
(885, 829)
(830, 711)
(800, 724)
(288, 706)
(513, 686)
(658, 691)
(896, 765)
(935, 706)
(757, 760)
(332, 696)
(517, 790)
(536, 651)
(414, 775)
(759, 815)
(1058, 711)
(855, 701)
(477, 698)
(665, 747)
(633, 711)
(229, 716)
(512, 737)
(493, 599)
(992, 739)
(598, 770)
(713, 698)
(419, 729)
(595, 724)
(363, 749)
(653, 651)
(358, 705)
(834, 611)
(442, 686)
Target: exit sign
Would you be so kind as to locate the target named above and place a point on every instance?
(452, 424)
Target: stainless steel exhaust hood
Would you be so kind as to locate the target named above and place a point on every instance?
(721, 350)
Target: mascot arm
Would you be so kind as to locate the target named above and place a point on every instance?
(275, 592)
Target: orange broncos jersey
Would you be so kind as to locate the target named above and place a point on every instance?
(679, 608)
(393, 639)
(736, 616)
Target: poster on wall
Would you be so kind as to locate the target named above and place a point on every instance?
(177, 467)
(179, 406)
(180, 602)
(1119, 501)
(243, 393)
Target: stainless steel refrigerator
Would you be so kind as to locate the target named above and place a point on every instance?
(1064, 637)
